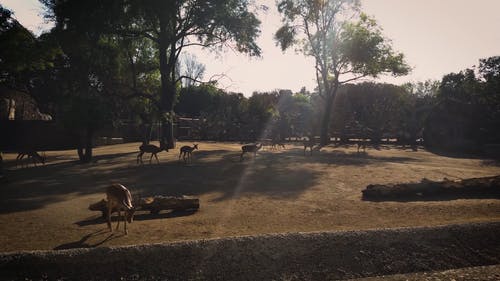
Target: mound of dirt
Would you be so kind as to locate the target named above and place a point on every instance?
(293, 256)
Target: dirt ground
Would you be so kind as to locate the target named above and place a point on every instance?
(279, 191)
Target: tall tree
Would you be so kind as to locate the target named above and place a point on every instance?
(344, 43)
(172, 26)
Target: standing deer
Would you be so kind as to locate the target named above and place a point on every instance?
(187, 150)
(275, 144)
(308, 143)
(119, 198)
(30, 154)
(250, 148)
(150, 148)
(361, 144)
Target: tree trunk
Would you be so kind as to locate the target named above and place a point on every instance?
(85, 148)
(330, 93)
(168, 88)
(325, 121)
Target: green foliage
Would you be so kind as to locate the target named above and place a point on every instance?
(475, 93)
(368, 52)
(343, 42)
(22, 55)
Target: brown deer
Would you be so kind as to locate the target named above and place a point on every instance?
(35, 157)
(151, 148)
(250, 148)
(308, 143)
(186, 151)
(361, 144)
(275, 144)
(119, 198)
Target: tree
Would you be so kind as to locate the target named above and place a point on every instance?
(191, 68)
(172, 26)
(341, 47)
(22, 55)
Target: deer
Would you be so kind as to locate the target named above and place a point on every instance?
(186, 151)
(275, 144)
(250, 148)
(30, 154)
(119, 198)
(308, 143)
(361, 144)
(151, 148)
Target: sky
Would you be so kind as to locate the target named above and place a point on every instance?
(437, 38)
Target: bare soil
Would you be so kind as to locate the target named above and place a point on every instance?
(279, 191)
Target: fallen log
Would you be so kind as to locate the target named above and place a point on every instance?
(486, 187)
(154, 204)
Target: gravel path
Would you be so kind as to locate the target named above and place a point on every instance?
(478, 273)
(293, 256)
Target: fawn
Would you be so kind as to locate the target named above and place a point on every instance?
(119, 198)
(308, 143)
(250, 148)
(151, 148)
(30, 154)
(187, 150)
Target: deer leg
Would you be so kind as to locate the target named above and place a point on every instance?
(119, 217)
(109, 217)
(156, 156)
(125, 222)
(139, 157)
(151, 158)
(241, 156)
(18, 159)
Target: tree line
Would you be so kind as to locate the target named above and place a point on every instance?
(127, 60)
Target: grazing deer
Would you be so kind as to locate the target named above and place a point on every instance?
(308, 143)
(119, 198)
(250, 148)
(186, 151)
(150, 148)
(30, 154)
(275, 144)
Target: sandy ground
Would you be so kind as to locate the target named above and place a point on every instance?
(279, 191)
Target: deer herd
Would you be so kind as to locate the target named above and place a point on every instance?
(185, 152)
(119, 198)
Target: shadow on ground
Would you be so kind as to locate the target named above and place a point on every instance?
(139, 216)
(211, 171)
(103, 235)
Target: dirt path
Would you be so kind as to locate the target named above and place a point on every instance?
(45, 207)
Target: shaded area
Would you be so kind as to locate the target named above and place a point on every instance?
(292, 256)
(426, 190)
(268, 175)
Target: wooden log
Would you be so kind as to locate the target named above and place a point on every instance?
(159, 203)
(486, 187)
(154, 204)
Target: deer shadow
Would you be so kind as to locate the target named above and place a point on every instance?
(82, 243)
(139, 216)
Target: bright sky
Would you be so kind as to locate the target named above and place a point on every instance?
(437, 37)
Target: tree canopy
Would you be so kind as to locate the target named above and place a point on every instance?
(343, 41)
(171, 26)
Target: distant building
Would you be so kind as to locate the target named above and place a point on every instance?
(16, 105)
